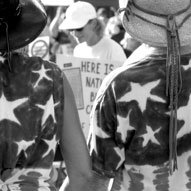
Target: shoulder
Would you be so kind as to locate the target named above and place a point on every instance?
(115, 48)
(110, 79)
(111, 42)
(79, 48)
(40, 61)
(80, 45)
(37, 65)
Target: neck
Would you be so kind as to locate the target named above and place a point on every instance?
(93, 41)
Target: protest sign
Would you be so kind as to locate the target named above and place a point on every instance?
(40, 47)
(85, 77)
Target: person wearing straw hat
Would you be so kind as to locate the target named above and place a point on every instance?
(82, 21)
(140, 129)
(37, 108)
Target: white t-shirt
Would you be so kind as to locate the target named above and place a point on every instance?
(106, 49)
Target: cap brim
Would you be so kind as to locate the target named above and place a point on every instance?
(68, 24)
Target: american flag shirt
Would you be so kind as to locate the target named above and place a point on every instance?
(129, 128)
(31, 109)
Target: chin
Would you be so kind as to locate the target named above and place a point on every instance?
(80, 40)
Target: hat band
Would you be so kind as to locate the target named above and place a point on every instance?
(128, 12)
(173, 73)
(158, 14)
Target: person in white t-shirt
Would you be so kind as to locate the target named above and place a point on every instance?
(81, 19)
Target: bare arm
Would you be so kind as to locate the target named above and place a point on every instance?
(104, 183)
(100, 183)
(96, 183)
(57, 20)
(74, 147)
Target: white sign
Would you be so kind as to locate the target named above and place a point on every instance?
(40, 47)
(85, 77)
(57, 2)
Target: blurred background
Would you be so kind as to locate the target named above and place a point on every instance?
(96, 3)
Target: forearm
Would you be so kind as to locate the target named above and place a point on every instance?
(54, 27)
(100, 183)
(103, 183)
(94, 183)
(77, 184)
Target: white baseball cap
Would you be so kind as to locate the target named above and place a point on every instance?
(77, 15)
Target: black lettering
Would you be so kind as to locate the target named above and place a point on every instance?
(88, 109)
(97, 69)
(83, 125)
(93, 82)
(108, 68)
(90, 67)
(83, 66)
(93, 70)
(92, 96)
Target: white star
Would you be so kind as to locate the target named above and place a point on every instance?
(7, 108)
(48, 110)
(23, 145)
(121, 154)
(2, 59)
(51, 145)
(141, 93)
(42, 74)
(150, 136)
(124, 126)
(186, 67)
(183, 113)
(96, 131)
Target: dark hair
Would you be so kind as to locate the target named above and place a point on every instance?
(99, 27)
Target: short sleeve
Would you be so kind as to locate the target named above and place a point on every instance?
(107, 156)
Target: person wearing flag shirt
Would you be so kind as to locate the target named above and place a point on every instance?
(140, 127)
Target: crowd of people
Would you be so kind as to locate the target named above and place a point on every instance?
(140, 130)
(100, 24)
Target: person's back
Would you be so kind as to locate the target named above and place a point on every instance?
(140, 122)
(37, 109)
(136, 145)
(29, 132)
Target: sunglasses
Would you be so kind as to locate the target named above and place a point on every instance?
(80, 29)
(77, 30)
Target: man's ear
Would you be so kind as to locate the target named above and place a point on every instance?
(93, 23)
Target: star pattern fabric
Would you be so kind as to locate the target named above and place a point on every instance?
(42, 74)
(149, 136)
(124, 126)
(31, 104)
(47, 110)
(141, 95)
(7, 112)
(131, 113)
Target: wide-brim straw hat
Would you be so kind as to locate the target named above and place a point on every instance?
(21, 21)
(147, 20)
